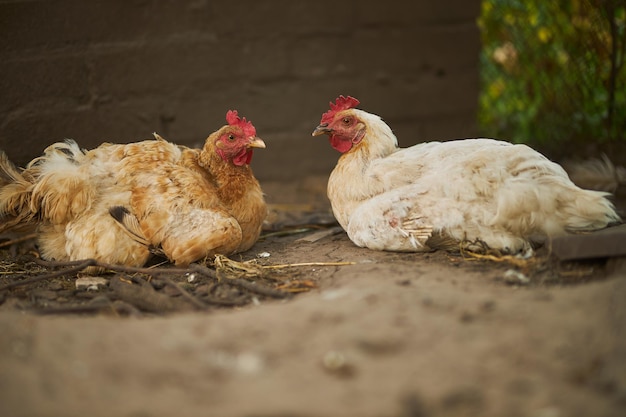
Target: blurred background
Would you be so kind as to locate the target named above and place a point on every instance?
(553, 74)
(547, 73)
(119, 70)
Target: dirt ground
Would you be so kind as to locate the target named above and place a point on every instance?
(386, 334)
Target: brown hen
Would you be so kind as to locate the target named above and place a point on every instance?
(118, 203)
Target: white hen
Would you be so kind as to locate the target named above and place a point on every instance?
(442, 194)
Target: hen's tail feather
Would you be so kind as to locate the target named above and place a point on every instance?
(8, 171)
(67, 150)
(61, 190)
(15, 194)
(591, 210)
(52, 186)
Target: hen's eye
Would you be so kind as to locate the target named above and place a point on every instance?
(231, 137)
(346, 120)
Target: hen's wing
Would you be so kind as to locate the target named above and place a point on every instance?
(200, 233)
(189, 235)
(174, 203)
(129, 223)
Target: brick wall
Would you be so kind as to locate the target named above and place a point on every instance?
(118, 70)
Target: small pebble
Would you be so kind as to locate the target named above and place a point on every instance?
(263, 255)
(329, 295)
(336, 363)
(91, 283)
(512, 276)
(333, 360)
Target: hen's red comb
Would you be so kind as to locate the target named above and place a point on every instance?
(342, 103)
(234, 120)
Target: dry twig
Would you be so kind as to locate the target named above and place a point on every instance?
(18, 240)
(74, 267)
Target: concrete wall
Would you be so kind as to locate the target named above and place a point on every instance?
(118, 70)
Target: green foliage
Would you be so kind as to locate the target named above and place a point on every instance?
(553, 71)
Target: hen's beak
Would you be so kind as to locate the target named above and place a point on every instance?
(256, 143)
(321, 130)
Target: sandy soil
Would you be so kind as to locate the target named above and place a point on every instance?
(390, 335)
